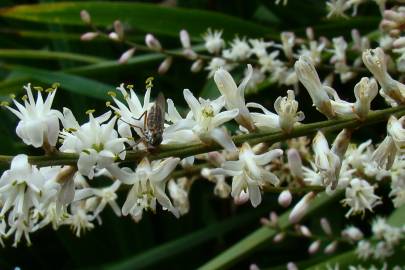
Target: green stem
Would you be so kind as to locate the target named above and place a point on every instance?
(183, 151)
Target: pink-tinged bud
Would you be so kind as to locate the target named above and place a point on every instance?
(152, 42)
(294, 163)
(126, 55)
(310, 33)
(314, 247)
(273, 219)
(305, 231)
(279, 237)
(265, 221)
(341, 143)
(242, 198)
(197, 66)
(185, 39)
(285, 198)
(291, 266)
(165, 65)
(254, 266)
(326, 226)
(399, 42)
(119, 29)
(300, 209)
(331, 248)
(113, 36)
(85, 16)
(88, 36)
(190, 54)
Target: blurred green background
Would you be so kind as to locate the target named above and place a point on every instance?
(40, 44)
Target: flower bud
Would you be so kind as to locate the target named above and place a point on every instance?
(119, 29)
(197, 66)
(325, 225)
(314, 247)
(384, 155)
(85, 16)
(308, 76)
(165, 65)
(242, 198)
(294, 163)
(285, 198)
(365, 91)
(291, 266)
(113, 36)
(331, 248)
(288, 42)
(304, 231)
(376, 63)
(309, 31)
(254, 266)
(279, 237)
(300, 209)
(185, 39)
(286, 108)
(88, 36)
(265, 221)
(352, 233)
(395, 128)
(126, 55)
(341, 143)
(273, 218)
(152, 42)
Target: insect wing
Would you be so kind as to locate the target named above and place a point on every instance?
(160, 104)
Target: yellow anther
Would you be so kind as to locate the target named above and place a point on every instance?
(111, 93)
(149, 83)
(38, 88)
(90, 111)
(117, 114)
(12, 96)
(108, 104)
(130, 86)
(4, 103)
(55, 85)
(24, 98)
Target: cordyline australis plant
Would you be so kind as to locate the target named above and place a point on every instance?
(153, 154)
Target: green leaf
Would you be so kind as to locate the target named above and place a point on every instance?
(170, 249)
(72, 83)
(261, 236)
(145, 17)
(49, 55)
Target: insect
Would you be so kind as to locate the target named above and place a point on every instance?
(153, 124)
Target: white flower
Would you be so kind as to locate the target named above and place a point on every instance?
(259, 47)
(203, 121)
(357, 156)
(337, 8)
(270, 64)
(384, 156)
(300, 209)
(288, 42)
(215, 64)
(79, 219)
(327, 161)
(365, 91)
(221, 189)
(104, 196)
(213, 41)
(248, 172)
(314, 52)
(235, 95)
(360, 197)
(148, 185)
(364, 250)
(39, 124)
(383, 250)
(352, 233)
(266, 119)
(179, 195)
(375, 61)
(239, 50)
(23, 190)
(309, 78)
(97, 144)
(286, 108)
(130, 114)
(395, 128)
